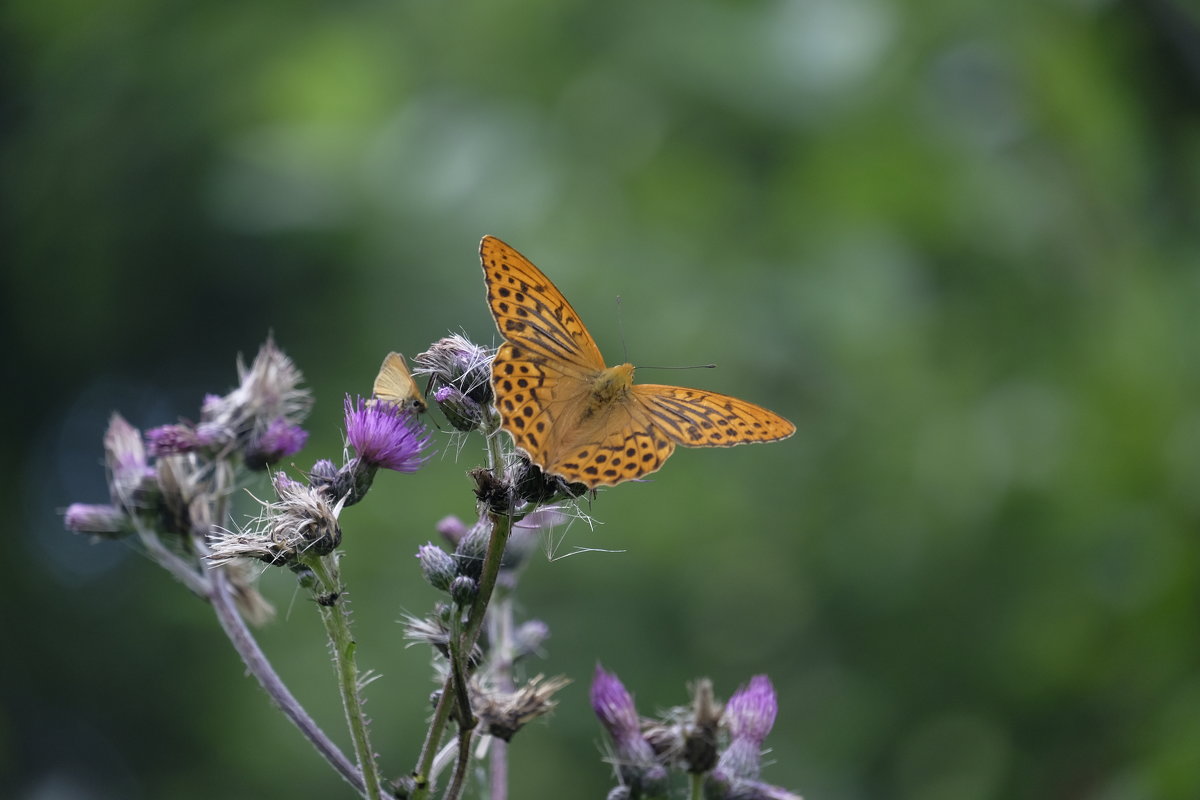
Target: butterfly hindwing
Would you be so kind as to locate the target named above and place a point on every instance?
(530, 311)
(618, 451)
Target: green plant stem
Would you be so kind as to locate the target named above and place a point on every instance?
(461, 764)
(501, 528)
(458, 678)
(697, 786)
(335, 615)
(258, 666)
(433, 736)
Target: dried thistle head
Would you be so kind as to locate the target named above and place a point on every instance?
(126, 463)
(504, 713)
(457, 362)
(301, 520)
(262, 413)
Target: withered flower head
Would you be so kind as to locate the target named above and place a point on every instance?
(125, 460)
(268, 402)
(300, 521)
(505, 713)
(456, 361)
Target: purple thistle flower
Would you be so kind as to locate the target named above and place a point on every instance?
(749, 715)
(751, 711)
(280, 440)
(386, 435)
(167, 440)
(614, 707)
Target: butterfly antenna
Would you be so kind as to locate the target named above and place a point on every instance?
(693, 366)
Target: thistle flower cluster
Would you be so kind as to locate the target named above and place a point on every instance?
(723, 746)
(259, 418)
(176, 478)
(303, 519)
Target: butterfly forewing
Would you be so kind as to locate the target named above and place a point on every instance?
(530, 311)
(696, 418)
(536, 399)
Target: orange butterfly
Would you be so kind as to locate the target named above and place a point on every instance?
(578, 419)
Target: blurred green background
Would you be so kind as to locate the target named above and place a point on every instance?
(956, 242)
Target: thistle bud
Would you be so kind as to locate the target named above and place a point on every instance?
(461, 411)
(464, 590)
(472, 549)
(613, 705)
(106, 521)
(302, 521)
(323, 475)
(719, 786)
(437, 566)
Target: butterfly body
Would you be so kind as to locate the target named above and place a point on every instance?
(609, 387)
(579, 419)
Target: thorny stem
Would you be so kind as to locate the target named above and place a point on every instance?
(458, 677)
(501, 528)
(258, 666)
(337, 626)
(423, 771)
(461, 764)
